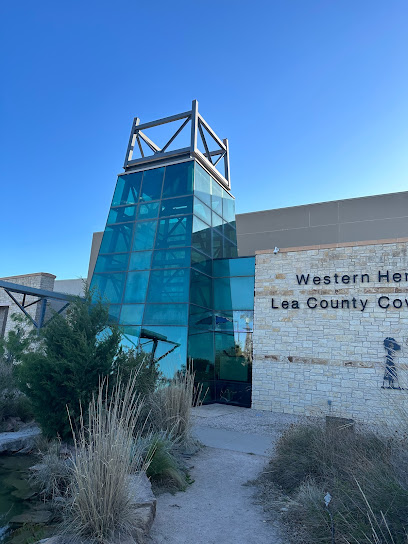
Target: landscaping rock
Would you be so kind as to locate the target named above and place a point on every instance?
(20, 441)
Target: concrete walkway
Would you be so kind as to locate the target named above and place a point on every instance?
(218, 507)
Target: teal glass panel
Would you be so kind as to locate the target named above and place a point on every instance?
(114, 310)
(201, 236)
(169, 285)
(131, 314)
(145, 232)
(202, 184)
(176, 206)
(228, 208)
(242, 266)
(140, 260)
(166, 314)
(230, 249)
(218, 245)
(230, 232)
(200, 289)
(148, 210)
(167, 343)
(108, 287)
(130, 337)
(200, 319)
(174, 232)
(234, 293)
(178, 179)
(224, 321)
(216, 198)
(121, 215)
(217, 222)
(117, 238)
(171, 258)
(233, 356)
(136, 287)
(201, 354)
(152, 184)
(202, 211)
(243, 320)
(127, 189)
(112, 263)
(201, 262)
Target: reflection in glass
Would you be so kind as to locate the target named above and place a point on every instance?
(233, 355)
(117, 238)
(169, 285)
(218, 245)
(176, 206)
(130, 337)
(171, 258)
(202, 184)
(201, 236)
(230, 232)
(112, 263)
(200, 319)
(108, 287)
(230, 249)
(178, 179)
(131, 314)
(202, 211)
(173, 232)
(140, 260)
(201, 352)
(166, 314)
(152, 184)
(144, 235)
(122, 214)
(242, 266)
(228, 210)
(200, 289)
(127, 189)
(216, 199)
(201, 262)
(148, 210)
(167, 344)
(136, 286)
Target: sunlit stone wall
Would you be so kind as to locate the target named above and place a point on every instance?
(331, 330)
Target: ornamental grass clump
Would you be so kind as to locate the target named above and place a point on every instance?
(108, 450)
(171, 407)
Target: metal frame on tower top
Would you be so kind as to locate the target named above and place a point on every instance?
(199, 130)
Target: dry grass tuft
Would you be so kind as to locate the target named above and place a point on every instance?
(171, 407)
(107, 450)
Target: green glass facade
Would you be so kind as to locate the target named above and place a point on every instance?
(168, 267)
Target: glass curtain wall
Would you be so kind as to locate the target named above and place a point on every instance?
(163, 266)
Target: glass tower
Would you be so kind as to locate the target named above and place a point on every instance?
(168, 262)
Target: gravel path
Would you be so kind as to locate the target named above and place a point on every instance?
(219, 507)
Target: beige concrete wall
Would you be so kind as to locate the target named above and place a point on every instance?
(355, 219)
(311, 357)
(368, 218)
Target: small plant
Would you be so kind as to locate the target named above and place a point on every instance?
(164, 467)
(52, 475)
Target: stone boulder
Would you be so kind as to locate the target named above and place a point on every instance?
(22, 441)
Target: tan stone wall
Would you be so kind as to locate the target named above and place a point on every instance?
(330, 360)
(40, 280)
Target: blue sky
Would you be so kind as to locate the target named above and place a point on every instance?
(311, 94)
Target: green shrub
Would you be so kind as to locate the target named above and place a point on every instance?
(163, 465)
(63, 368)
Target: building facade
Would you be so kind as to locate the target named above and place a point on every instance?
(301, 310)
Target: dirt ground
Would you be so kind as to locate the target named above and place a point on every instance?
(220, 506)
